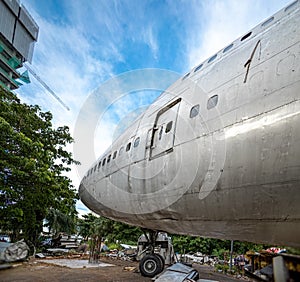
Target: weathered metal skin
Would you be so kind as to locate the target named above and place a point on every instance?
(226, 169)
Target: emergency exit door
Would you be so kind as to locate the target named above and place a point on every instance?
(163, 133)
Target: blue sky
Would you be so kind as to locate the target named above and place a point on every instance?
(83, 44)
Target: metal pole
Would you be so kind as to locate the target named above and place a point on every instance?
(231, 253)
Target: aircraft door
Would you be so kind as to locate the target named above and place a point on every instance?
(163, 133)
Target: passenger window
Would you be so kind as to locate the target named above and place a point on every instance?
(108, 159)
(186, 76)
(228, 48)
(121, 151)
(169, 126)
(246, 36)
(194, 111)
(115, 155)
(212, 102)
(99, 164)
(136, 142)
(95, 167)
(128, 146)
(267, 21)
(290, 6)
(103, 162)
(212, 58)
(198, 68)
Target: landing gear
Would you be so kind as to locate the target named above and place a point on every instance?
(151, 263)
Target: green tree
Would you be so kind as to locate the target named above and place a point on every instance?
(58, 221)
(125, 233)
(33, 161)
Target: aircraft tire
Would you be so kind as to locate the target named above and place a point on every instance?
(150, 265)
(161, 260)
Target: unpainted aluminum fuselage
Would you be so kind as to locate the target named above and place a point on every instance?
(218, 153)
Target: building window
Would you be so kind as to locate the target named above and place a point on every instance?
(115, 154)
(212, 102)
(136, 142)
(128, 146)
(169, 126)
(194, 111)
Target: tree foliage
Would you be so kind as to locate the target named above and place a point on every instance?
(210, 246)
(111, 230)
(58, 221)
(33, 160)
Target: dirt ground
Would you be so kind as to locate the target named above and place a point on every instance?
(44, 272)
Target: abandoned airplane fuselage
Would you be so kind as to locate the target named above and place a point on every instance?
(218, 153)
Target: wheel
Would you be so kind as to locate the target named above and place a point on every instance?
(150, 265)
(162, 261)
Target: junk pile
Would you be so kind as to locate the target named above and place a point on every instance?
(11, 252)
(273, 265)
(62, 244)
(199, 258)
(128, 253)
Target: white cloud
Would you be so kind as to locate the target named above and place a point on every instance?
(151, 40)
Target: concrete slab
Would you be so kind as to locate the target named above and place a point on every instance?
(75, 263)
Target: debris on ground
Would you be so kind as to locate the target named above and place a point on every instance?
(178, 272)
(11, 252)
(130, 268)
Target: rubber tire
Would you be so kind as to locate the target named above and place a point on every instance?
(162, 261)
(150, 266)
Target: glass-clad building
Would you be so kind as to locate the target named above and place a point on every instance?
(18, 34)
